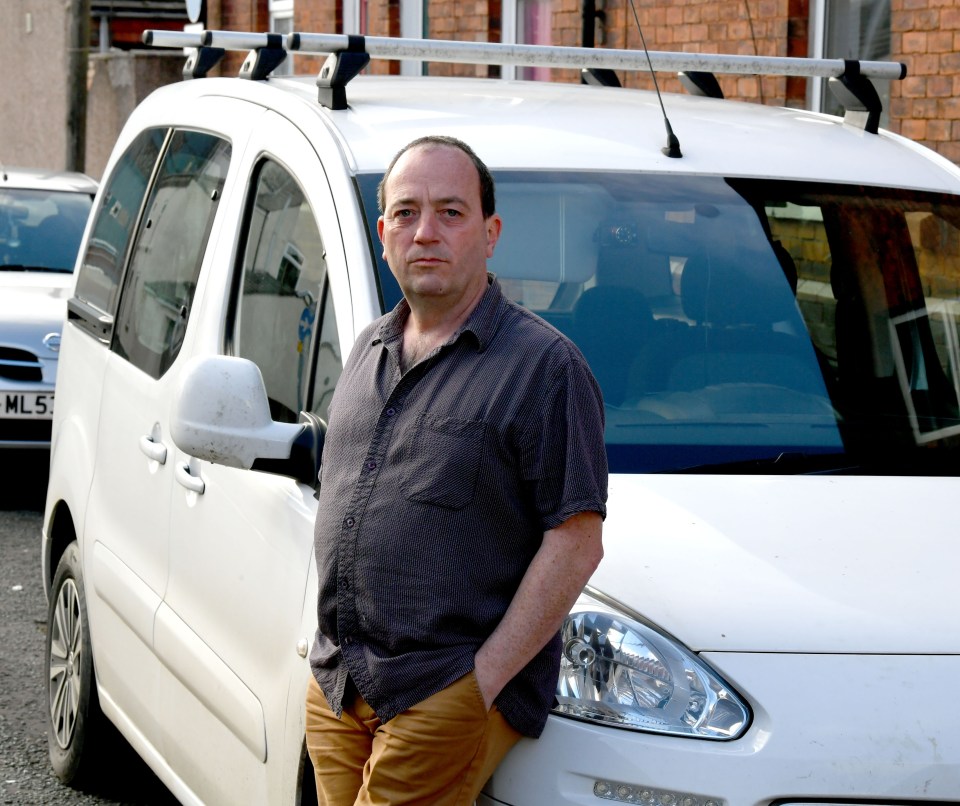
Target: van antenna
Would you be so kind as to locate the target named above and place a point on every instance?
(672, 148)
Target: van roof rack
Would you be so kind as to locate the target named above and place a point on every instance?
(850, 80)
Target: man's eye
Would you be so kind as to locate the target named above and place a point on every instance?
(403, 213)
(451, 213)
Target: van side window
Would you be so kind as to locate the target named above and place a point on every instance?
(166, 259)
(120, 203)
(285, 303)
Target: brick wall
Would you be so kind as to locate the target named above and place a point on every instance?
(326, 17)
(766, 27)
(240, 15)
(464, 20)
(925, 35)
(744, 27)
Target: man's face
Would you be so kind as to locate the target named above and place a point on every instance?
(435, 238)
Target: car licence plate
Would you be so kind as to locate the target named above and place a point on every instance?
(29, 405)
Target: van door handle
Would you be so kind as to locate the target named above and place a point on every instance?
(153, 450)
(187, 479)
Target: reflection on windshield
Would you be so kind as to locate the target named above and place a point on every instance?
(732, 322)
(41, 230)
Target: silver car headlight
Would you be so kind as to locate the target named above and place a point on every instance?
(618, 671)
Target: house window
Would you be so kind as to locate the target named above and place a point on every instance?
(534, 28)
(409, 15)
(850, 29)
(527, 22)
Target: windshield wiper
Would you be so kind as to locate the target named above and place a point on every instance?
(787, 463)
(21, 267)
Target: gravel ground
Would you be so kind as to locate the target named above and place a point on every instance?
(25, 773)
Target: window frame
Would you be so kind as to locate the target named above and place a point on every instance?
(123, 287)
(95, 320)
(324, 296)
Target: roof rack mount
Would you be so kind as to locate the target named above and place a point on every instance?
(348, 54)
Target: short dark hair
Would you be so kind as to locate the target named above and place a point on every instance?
(488, 203)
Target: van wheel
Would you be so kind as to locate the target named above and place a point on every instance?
(74, 717)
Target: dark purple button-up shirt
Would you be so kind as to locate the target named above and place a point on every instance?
(436, 489)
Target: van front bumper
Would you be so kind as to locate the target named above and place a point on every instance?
(878, 728)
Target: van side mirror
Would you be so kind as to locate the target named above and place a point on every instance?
(221, 414)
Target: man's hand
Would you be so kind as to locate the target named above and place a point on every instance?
(569, 554)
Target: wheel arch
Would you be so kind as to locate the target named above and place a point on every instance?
(61, 532)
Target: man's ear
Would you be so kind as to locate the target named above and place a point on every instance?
(494, 226)
(380, 228)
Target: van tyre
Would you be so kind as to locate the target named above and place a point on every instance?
(75, 722)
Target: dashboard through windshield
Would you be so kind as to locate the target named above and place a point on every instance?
(733, 322)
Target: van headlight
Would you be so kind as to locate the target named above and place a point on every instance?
(618, 671)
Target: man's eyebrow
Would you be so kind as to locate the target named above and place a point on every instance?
(452, 200)
(446, 200)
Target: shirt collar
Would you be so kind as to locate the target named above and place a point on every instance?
(481, 324)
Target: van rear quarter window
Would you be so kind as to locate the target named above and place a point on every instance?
(168, 250)
(106, 250)
(744, 325)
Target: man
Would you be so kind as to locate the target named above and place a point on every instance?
(462, 494)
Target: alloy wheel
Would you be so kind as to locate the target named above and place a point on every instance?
(66, 648)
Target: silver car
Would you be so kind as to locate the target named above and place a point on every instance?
(42, 217)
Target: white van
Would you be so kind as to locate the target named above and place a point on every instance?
(772, 308)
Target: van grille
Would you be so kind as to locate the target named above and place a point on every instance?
(19, 365)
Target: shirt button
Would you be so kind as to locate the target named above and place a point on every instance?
(349, 522)
(371, 465)
(391, 411)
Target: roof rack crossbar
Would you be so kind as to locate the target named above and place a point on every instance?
(242, 40)
(172, 39)
(206, 48)
(440, 50)
(349, 54)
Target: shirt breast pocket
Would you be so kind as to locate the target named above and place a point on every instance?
(444, 462)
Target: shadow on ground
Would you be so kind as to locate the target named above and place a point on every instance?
(127, 780)
(23, 480)
(124, 779)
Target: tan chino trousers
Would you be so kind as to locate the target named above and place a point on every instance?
(438, 753)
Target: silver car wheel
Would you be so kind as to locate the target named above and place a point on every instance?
(66, 654)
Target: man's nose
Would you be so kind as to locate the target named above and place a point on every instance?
(426, 228)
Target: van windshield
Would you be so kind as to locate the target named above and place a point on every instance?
(40, 230)
(744, 325)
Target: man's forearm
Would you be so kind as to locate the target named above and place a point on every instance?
(568, 556)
